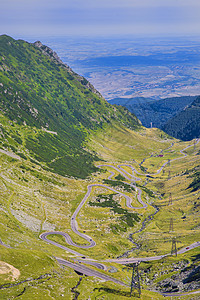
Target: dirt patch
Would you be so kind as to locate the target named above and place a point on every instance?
(12, 272)
(31, 222)
(13, 155)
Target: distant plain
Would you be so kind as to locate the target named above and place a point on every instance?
(130, 67)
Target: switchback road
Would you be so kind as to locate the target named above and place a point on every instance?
(91, 242)
(87, 271)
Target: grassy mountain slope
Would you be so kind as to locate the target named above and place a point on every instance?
(34, 200)
(55, 107)
(35, 197)
(158, 112)
(186, 124)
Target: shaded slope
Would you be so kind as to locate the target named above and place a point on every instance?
(158, 112)
(186, 124)
(39, 92)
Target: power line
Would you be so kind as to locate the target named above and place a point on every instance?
(170, 199)
(174, 249)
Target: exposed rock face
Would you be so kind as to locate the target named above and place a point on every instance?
(187, 280)
(53, 55)
(48, 51)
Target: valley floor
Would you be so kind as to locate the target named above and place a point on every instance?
(141, 206)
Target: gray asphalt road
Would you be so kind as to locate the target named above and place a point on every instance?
(159, 170)
(91, 242)
(188, 248)
(92, 263)
(179, 294)
(74, 225)
(44, 235)
(128, 199)
(87, 271)
(125, 261)
(68, 239)
(124, 173)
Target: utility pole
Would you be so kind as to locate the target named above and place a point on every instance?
(170, 199)
(174, 249)
(135, 281)
(171, 225)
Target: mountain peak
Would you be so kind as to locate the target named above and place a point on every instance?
(54, 56)
(39, 92)
(48, 51)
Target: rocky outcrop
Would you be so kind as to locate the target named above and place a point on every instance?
(48, 51)
(54, 56)
(187, 280)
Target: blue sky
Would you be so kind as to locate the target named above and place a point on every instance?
(21, 18)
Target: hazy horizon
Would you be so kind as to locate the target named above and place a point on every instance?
(100, 40)
(103, 18)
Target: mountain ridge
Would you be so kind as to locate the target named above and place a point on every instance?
(157, 112)
(186, 124)
(54, 133)
(40, 92)
(53, 55)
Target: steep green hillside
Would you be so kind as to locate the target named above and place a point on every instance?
(143, 196)
(34, 200)
(186, 124)
(54, 108)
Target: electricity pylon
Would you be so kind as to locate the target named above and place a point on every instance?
(170, 199)
(174, 249)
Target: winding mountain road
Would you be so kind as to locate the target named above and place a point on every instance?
(89, 272)
(91, 242)
(125, 261)
(74, 225)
